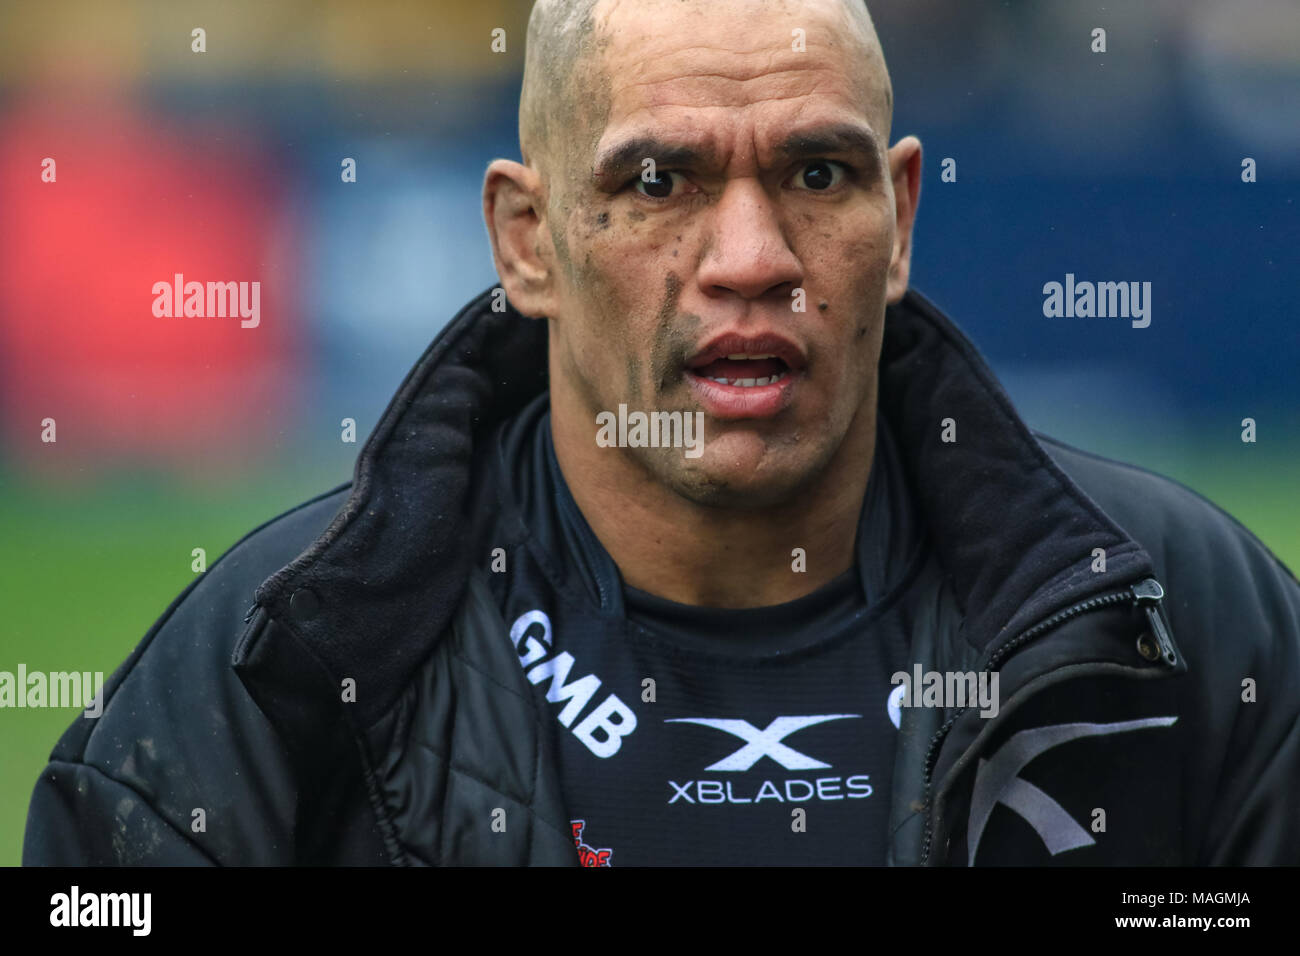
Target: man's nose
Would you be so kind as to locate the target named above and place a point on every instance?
(748, 254)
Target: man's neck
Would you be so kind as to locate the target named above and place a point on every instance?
(695, 554)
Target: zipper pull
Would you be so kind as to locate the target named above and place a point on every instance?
(251, 611)
(1148, 594)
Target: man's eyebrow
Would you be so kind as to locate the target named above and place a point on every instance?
(622, 160)
(826, 140)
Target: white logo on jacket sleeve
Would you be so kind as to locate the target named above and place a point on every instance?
(997, 780)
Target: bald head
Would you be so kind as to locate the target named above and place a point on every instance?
(561, 40)
(564, 102)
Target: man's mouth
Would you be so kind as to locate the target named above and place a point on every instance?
(745, 376)
(745, 371)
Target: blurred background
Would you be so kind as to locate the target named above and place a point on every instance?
(225, 165)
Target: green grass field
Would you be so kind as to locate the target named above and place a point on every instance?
(82, 577)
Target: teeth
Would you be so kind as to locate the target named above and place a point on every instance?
(750, 382)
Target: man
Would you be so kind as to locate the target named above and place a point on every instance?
(759, 566)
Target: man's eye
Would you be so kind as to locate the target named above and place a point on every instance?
(660, 187)
(821, 175)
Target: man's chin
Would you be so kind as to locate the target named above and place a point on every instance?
(720, 480)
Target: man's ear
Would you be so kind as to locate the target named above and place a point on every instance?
(905, 170)
(521, 247)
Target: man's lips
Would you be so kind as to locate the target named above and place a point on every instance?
(726, 402)
(745, 376)
(732, 346)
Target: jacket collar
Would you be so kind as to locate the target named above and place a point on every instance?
(1013, 531)
(371, 595)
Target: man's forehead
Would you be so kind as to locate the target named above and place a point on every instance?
(673, 78)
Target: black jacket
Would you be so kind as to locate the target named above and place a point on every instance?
(1123, 736)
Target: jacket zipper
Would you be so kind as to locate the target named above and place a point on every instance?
(1146, 594)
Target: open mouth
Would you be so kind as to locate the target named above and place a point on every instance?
(746, 376)
(745, 371)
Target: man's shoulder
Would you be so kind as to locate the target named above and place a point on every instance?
(1234, 612)
(1214, 570)
(1150, 506)
(219, 599)
(177, 729)
(197, 633)
(278, 540)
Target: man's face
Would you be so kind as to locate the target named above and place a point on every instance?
(770, 176)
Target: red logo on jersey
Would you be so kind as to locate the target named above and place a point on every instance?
(588, 855)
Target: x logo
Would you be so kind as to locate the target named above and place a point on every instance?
(765, 742)
(998, 780)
